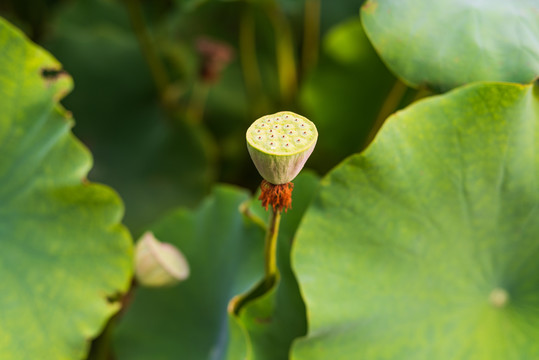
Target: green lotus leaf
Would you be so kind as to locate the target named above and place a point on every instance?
(189, 321)
(65, 255)
(445, 44)
(154, 161)
(425, 246)
(224, 249)
(266, 326)
(344, 93)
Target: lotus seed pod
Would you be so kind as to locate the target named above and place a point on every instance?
(159, 264)
(280, 144)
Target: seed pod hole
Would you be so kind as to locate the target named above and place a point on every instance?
(280, 150)
(285, 127)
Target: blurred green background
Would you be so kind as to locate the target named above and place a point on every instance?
(164, 92)
(164, 89)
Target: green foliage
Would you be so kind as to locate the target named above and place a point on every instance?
(444, 44)
(400, 255)
(421, 247)
(269, 324)
(55, 226)
(344, 94)
(224, 251)
(156, 163)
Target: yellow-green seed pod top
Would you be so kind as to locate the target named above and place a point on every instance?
(280, 144)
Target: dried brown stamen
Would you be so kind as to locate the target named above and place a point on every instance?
(278, 196)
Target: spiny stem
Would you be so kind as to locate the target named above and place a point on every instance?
(270, 248)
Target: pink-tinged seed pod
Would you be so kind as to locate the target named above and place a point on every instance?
(159, 264)
(281, 157)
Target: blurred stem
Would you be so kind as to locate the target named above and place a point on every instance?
(270, 248)
(311, 35)
(197, 102)
(421, 93)
(249, 61)
(101, 347)
(271, 274)
(147, 46)
(246, 211)
(284, 47)
(388, 107)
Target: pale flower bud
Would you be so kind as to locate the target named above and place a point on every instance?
(157, 263)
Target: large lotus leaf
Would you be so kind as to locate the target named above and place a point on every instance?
(447, 43)
(225, 252)
(344, 93)
(64, 253)
(425, 246)
(156, 162)
(189, 321)
(271, 322)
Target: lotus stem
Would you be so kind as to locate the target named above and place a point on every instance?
(270, 249)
